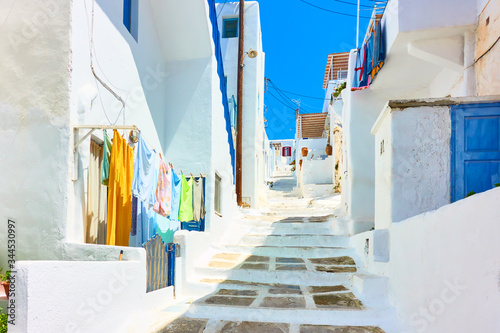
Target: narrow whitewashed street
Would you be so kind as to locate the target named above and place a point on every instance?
(290, 268)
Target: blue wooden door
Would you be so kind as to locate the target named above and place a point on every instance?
(475, 148)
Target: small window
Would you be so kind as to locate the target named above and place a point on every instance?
(131, 17)
(217, 197)
(230, 28)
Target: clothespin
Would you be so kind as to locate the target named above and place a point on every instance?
(192, 176)
(201, 176)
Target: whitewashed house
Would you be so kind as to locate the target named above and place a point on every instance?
(253, 164)
(151, 65)
(314, 166)
(334, 82)
(284, 154)
(418, 139)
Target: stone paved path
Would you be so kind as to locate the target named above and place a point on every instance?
(289, 273)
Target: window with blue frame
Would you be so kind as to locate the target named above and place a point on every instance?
(131, 17)
(230, 28)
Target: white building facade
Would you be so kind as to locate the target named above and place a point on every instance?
(150, 64)
(253, 164)
(420, 144)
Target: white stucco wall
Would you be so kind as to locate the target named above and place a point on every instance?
(34, 102)
(134, 69)
(47, 86)
(53, 297)
(438, 14)
(253, 95)
(454, 268)
(317, 171)
(413, 172)
(443, 277)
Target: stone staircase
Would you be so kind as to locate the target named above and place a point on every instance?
(285, 274)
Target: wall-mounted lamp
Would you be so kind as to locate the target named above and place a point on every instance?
(252, 53)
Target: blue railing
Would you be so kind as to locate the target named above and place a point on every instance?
(220, 71)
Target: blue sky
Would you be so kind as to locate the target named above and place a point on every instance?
(297, 39)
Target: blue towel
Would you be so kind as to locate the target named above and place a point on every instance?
(145, 173)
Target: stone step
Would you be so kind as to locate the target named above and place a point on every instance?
(295, 316)
(273, 276)
(287, 251)
(298, 229)
(205, 325)
(295, 240)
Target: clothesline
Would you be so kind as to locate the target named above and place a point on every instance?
(92, 128)
(141, 183)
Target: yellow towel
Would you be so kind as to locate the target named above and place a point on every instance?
(121, 172)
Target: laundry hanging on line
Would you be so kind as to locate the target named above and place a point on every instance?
(139, 186)
(119, 214)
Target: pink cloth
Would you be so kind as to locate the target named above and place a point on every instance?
(163, 190)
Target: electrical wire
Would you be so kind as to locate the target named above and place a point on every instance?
(279, 100)
(221, 8)
(297, 94)
(352, 3)
(98, 78)
(332, 11)
(273, 129)
(285, 97)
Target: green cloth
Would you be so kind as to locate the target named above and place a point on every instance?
(186, 208)
(106, 156)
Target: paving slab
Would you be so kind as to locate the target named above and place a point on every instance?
(229, 300)
(222, 264)
(289, 260)
(255, 266)
(283, 302)
(326, 289)
(227, 256)
(343, 300)
(285, 291)
(254, 327)
(185, 325)
(339, 329)
(232, 292)
(257, 259)
(291, 267)
(336, 269)
(345, 260)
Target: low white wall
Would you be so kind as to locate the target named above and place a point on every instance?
(62, 296)
(445, 267)
(317, 171)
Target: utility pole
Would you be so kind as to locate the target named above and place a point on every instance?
(297, 113)
(239, 118)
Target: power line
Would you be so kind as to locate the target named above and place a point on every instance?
(285, 97)
(351, 3)
(273, 128)
(288, 100)
(332, 11)
(279, 100)
(284, 91)
(221, 8)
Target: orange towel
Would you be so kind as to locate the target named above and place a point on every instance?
(121, 172)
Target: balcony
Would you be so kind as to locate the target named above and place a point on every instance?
(426, 46)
